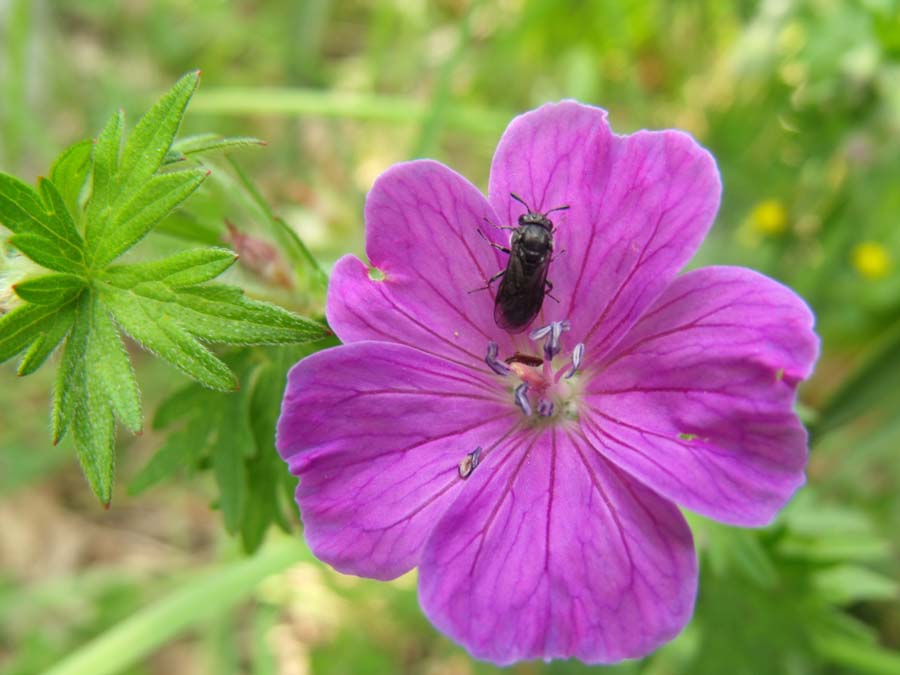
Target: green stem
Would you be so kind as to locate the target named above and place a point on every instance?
(211, 594)
(315, 103)
(281, 229)
(434, 121)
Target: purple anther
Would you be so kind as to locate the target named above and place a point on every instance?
(521, 398)
(491, 359)
(577, 359)
(539, 333)
(552, 347)
(545, 408)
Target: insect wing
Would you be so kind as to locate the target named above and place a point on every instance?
(520, 296)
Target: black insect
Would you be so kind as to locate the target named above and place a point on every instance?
(524, 282)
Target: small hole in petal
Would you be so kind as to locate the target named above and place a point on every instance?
(687, 437)
(779, 374)
(376, 274)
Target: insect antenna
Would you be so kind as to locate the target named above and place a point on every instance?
(557, 208)
(520, 200)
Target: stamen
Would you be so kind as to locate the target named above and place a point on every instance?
(538, 333)
(491, 359)
(521, 398)
(469, 463)
(577, 359)
(545, 408)
(552, 331)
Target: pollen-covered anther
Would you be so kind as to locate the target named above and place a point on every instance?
(469, 463)
(493, 362)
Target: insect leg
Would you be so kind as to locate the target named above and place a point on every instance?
(549, 287)
(494, 244)
(489, 282)
(558, 253)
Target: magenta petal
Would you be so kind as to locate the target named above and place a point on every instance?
(639, 206)
(376, 432)
(422, 222)
(555, 553)
(697, 401)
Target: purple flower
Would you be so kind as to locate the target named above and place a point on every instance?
(533, 477)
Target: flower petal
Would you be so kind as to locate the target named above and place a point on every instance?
(422, 222)
(639, 206)
(376, 432)
(696, 402)
(551, 551)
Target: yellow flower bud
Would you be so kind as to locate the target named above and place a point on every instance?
(871, 260)
(769, 217)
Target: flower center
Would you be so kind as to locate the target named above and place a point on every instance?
(537, 385)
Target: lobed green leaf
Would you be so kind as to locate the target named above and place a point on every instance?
(79, 403)
(46, 235)
(24, 325)
(111, 367)
(152, 137)
(45, 345)
(69, 173)
(45, 253)
(230, 442)
(181, 450)
(206, 143)
(265, 469)
(58, 212)
(158, 332)
(182, 269)
(50, 289)
(151, 204)
(21, 209)
(105, 165)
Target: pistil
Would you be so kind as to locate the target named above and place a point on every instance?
(539, 384)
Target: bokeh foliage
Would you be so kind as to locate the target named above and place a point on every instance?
(798, 100)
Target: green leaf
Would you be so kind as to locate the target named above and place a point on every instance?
(244, 321)
(70, 171)
(80, 402)
(52, 238)
(847, 584)
(158, 332)
(21, 209)
(182, 269)
(45, 252)
(58, 211)
(219, 314)
(265, 469)
(872, 385)
(178, 405)
(111, 367)
(230, 441)
(151, 204)
(44, 346)
(50, 289)
(105, 164)
(190, 227)
(181, 450)
(23, 325)
(150, 141)
(206, 143)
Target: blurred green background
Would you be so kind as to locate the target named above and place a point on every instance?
(800, 104)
